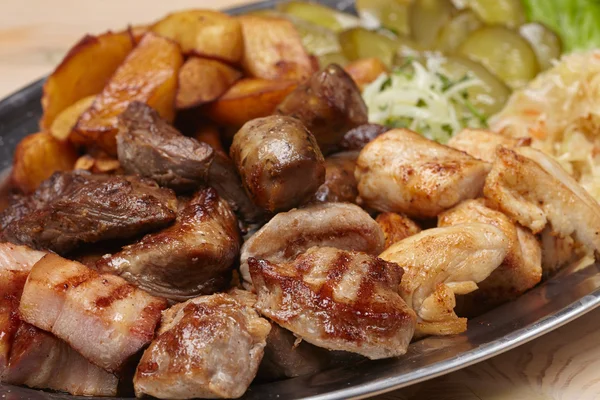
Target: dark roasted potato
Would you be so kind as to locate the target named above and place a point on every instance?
(279, 161)
(205, 33)
(202, 80)
(209, 134)
(149, 75)
(329, 105)
(273, 49)
(248, 99)
(37, 157)
(83, 72)
(357, 138)
(340, 184)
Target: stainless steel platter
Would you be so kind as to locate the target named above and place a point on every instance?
(552, 304)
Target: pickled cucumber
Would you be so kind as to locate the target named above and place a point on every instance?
(320, 15)
(457, 30)
(360, 43)
(545, 43)
(427, 18)
(390, 14)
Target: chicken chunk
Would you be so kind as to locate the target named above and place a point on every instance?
(396, 227)
(207, 347)
(521, 269)
(76, 207)
(340, 225)
(482, 144)
(337, 299)
(340, 184)
(329, 105)
(535, 191)
(440, 263)
(279, 161)
(192, 257)
(103, 317)
(403, 172)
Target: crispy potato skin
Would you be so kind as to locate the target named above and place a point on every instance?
(279, 162)
(273, 49)
(64, 123)
(204, 33)
(148, 74)
(365, 71)
(84, 71)
(248, 99)
(37, 157)
(202, 80)
(396, 227)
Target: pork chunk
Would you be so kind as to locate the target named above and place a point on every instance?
(482, 144)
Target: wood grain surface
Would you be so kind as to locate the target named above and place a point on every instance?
(565, 364)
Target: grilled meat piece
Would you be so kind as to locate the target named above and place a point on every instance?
(337, 299)
(40, 360)
(535, 191)
(72, 208)
(207, 347)
(440, 263)
(192, 257)
(149, 146)
(340, 225)
(482, 144)
(396, 227)
(103, 317)
(329, 105)
(340, 184)
(279, 161)
(403, 172)
(521, 269)
(356, 139)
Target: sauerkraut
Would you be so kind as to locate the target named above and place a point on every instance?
(560, 111)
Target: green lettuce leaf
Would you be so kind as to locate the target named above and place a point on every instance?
(577, 22)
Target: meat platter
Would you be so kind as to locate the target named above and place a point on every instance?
(437, 347)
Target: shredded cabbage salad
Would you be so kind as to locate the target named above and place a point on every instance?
(425, 99)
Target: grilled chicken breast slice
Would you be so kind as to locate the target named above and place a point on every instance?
(103, 317)
(75, 207)
(340, 225)
(440, 263)
(207, 347)
(401, 171)
(482, 144)
(535, 191)
(337, 299)
(192, 257)
(521, 269)
(396, 227)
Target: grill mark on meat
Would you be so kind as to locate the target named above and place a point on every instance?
(118, 293)
(299, 242)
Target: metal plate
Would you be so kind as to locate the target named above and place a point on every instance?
(559, 300)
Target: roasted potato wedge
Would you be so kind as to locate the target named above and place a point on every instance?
(83, 72)
(365, 71)
(37, 157)
(205, 33)
(273, 49)
(209, 134)
(202, 80)
(148, 74)
(100, 163)
(64, 122)
(248, 99)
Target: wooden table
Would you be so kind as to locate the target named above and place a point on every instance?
(565, 364)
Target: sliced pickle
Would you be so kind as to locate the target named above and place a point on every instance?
(332, 58)
(457, 30)
(316, 39)
(490, 96)
(504, 52)
(545, 43)
(427, 17)
(390, 14)
(360, 43)
(320, 15)
(504, 12)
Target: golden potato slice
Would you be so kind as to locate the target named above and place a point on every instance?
(205, 33)
(148, 74)
(37, 157)
(273, 49)
(248, 99)
(83, 72)
(65, 121)
(100, 163)
(209, 134)
(365, 71)
(202, 80)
